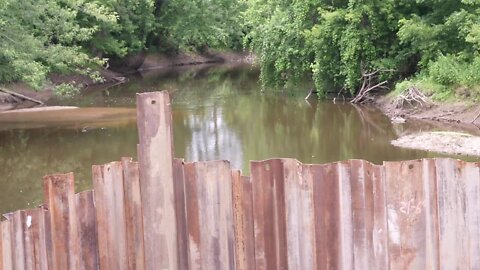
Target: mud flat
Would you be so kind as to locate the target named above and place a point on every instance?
(442, 142)
(66, 116)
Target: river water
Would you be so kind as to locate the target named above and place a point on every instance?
(219, 112)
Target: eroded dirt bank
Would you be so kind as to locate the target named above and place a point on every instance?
(458, 112)
(450, 128)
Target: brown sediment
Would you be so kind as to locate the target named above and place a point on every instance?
(436, 127)
(456, 112)
(442, 142)
(66, 116)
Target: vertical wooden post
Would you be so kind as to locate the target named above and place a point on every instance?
(156, 180)
(59, 196)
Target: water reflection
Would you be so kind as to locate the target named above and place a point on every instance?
(212, 139)
(218, 113)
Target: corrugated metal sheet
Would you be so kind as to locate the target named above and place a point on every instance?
(163, 213)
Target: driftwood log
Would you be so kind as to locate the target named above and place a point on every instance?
(21, 96)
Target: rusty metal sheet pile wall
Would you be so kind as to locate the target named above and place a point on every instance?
(164, 213)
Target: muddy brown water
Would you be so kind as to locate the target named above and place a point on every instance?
(219, 112)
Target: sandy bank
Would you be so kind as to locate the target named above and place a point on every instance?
(442, 142)
(73, 117)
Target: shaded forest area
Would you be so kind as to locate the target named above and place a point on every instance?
(345, 46)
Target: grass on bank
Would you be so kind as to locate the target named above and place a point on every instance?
(449, 78)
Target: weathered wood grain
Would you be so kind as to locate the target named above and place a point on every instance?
(156, 180)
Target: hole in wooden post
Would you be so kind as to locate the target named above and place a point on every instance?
(154, 101)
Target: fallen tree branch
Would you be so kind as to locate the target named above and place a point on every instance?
(412, 96)
(312, 91)
(21, 96)
(370, 82)
(363, 92)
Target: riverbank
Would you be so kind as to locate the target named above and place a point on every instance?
(447, 112)
(118, 74)
(455, 143)
(449, 128)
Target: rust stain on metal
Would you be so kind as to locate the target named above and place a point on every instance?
(180, 213)
(162, 213)
(59, 196)
(87, 226)
(156, 180)
(110, 210)
(269, 214)
(133, 214)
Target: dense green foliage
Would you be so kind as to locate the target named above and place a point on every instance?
(435, 43)
(45, 36)
(430, 43)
